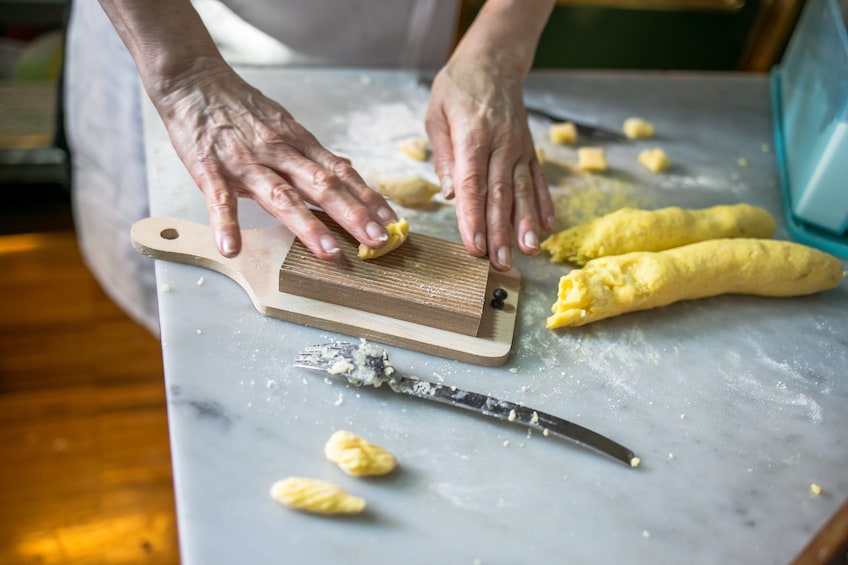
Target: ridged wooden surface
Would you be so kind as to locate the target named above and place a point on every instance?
(427, 280)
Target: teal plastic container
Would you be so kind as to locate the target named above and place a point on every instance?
(810, 105)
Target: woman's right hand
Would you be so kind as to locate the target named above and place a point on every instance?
(236, 142)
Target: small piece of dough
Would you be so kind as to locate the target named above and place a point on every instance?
(629, 229)
(610, 286)
(357, 456)
(655, 159)
(408, 190)
(316, 496)
(637, 128)
(564, 133)
(540, 155)
(398, 232)
(416, 148)
(592, 159)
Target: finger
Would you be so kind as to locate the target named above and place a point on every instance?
(343, 170)
(499, 205)
(350, 207)
(281, 200)
(525, 219)
(222, 206)
(439, 133)
(544, 202)
(471, 184)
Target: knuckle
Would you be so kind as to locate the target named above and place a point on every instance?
(342, 168)
(323, 181)
(282, 197)
(500, 191)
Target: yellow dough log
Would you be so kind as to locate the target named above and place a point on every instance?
(610, 286)
(628, 230)
(398, 232)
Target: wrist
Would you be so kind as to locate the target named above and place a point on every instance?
(504, 36)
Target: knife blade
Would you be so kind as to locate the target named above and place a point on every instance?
(515, 413)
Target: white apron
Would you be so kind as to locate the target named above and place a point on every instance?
(103, 110)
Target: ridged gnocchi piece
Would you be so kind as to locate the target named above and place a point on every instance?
(357, 456)
(398, 232)
(313, 495)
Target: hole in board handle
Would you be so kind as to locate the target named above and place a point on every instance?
(169, 233)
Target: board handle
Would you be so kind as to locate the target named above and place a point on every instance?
(255, 269)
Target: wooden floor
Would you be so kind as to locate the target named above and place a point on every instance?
(85, 472)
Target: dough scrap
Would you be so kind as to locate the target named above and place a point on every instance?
(357, 456)
(592, 159)
(610, 286)
(398, 232)
(408, 190)
(564, 133)
(313, 495)
(637, 128)
(629, 229)
(415, 148)
(655, 159)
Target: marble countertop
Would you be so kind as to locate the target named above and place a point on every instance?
(735, 405)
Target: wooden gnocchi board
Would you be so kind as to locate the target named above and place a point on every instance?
(429, 295)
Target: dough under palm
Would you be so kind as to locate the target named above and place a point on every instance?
(628, 230)
(610, 286)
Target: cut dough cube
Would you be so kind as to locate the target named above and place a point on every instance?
(416, 148)
(398, 232)
(615, 285)
(637, 128)
(655, 159)
(312, 495)
(629, 229)
(592, 159)
(357, 456)
(564, 133)
(408, 190)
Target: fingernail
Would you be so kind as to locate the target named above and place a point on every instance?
(328, 244)
(480, 242)
(228, 245)
(447, 186)
(504, 256)
(375, 231)
(385, 214)
(531, 240)
(551, 222)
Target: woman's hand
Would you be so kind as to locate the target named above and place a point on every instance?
(236, 142)
(484, 155)
(482, 148)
